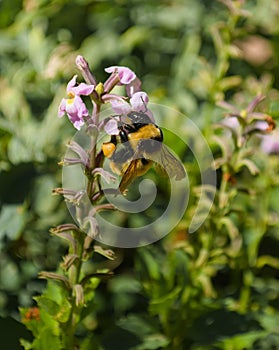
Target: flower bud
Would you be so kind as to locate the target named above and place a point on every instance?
(84, 68)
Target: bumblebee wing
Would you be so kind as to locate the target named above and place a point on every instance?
(170, 164)
(138, 166)
(130, 173)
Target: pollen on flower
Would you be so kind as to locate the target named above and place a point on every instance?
(71, 94)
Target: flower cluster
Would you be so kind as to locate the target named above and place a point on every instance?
(77, 279)
(241, 126)
(244, 123)
(76, 109)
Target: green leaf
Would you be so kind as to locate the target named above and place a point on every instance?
(223, 324)
(125, 284)
(243, 341)
(12, 220)
(46, 340)
(50, 306)
(164, 302)
(154, 341)
(151, 264)
(18, 152)
(27, 345)
(269, 321)
(59, 312)
(145, 330)
(274, 109)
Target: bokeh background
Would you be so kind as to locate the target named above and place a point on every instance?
(183, 292)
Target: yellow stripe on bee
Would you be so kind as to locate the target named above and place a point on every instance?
(148, 131)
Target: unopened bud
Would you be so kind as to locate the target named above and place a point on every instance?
(83, 66)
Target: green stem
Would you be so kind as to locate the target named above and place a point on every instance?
(223, 191)
(69, 328)
(246, 291)
(92, 154)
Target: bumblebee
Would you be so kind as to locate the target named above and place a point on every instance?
(138, 144)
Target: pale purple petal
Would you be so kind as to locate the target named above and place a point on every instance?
(71, 109)
(252, 105)
(80, 106)
(62, 107)
(270, 143)
(71, 83)
(73, 114)
(231, 122)
(83, 89)
(261, 125)
(231, 108)
(78, 124)
(139, 101)
(111, 127)
(126, 75)
(133, 87)
(120, 106)
(111, 69)
(76, 109)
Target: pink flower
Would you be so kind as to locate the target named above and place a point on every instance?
(73, 105)
(133, 87)
(126, 75)
(122, 76)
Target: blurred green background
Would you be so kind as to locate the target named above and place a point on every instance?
(189, 54)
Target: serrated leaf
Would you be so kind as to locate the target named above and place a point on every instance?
(50, 306)
(58, 312)
(47, 340)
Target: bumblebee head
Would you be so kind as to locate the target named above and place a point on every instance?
(108, 149)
